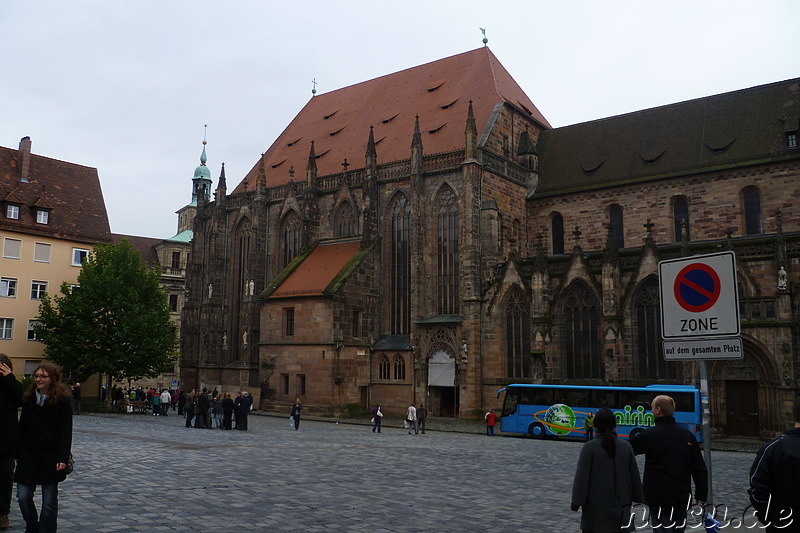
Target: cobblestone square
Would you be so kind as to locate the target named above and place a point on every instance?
(152, 474)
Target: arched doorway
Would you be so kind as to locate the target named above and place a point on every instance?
(442, 384)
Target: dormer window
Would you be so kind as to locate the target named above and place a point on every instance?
(12, 211)
(42, 216)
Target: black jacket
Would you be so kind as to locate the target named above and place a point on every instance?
(672, 460)
(10, 400)
(774, 482)
(45, 438)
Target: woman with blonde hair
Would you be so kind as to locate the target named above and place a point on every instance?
(45, 440)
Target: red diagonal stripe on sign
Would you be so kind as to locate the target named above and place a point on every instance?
(697, 287)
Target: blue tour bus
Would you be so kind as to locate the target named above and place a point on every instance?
(560, 410)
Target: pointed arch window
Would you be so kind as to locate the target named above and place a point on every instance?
(617, 229)
(557, 233)
(383, 368)
(447, 251)
(650, 364)
(581, 344)
(345, 221)
(292, 235)
(399, 367)
(751, 198)
(400, 260)
(680, 217)
(518, 341)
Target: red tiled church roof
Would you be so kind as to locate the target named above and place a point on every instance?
(317, 270)
(439, 93)
(71, 192)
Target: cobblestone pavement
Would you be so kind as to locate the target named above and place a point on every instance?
(151, 474)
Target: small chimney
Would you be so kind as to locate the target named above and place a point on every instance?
(24, 158)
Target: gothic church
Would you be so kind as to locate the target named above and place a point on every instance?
(427, 237)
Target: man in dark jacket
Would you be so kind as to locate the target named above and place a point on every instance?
(244, 410)
(672, 461)
(774, 476)
(10, 400)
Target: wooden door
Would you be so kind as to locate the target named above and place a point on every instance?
(742, 408)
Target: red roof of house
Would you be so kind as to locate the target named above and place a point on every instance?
(144, 245)
(317, 271)
(71, 193)
(439, 93)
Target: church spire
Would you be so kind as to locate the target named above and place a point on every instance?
(201, 182)
(222, 187)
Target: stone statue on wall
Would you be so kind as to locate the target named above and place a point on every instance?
(244, 339)
(210, 290)
(225, 339)
(782, 283)
(463, 350)
(251, 285)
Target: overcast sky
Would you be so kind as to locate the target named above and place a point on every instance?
(126, 87)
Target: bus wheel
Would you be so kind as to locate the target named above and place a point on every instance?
(635, 432)
(536, 431)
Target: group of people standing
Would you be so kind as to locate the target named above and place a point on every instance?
(35, 447)
(200, 406)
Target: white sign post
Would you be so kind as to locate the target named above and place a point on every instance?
(700, 319)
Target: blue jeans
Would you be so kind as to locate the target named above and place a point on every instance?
(48, 521)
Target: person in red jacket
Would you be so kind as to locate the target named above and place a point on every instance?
(491, 420)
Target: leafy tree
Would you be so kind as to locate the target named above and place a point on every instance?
(116, 322)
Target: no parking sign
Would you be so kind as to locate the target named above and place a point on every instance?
(699, 297)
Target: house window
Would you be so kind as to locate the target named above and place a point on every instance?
(173, 303)
(12, 249)
(30, 367)
(400, 261)
(12, 211)
(38, 288)
(383, 368)
(680, 217)
(8, 287)
(301, 384)
(752, 211)
(617, 230)
(176, 259)
(6, 328)
(41, 252)
(73, 287)
(288, 321)
(791, 139)
(557, 233)
(79, 255)
(31, 330)
(42, 216)
(285, 384)
(447, 251)
(399, 368)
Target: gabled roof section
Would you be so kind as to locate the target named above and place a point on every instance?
(146, 246)
(748, 126)
(184, 236)
(439, 92)
(320, 269)
(71, 192)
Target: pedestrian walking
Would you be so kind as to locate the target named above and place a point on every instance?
(45, 441)
(10, 401)
(606, 480)
(76, 398)
(237, 411)
(216, 408)
(411, 418)
(588, 423)
(166, 399)
(297, 407)
(244, 407)
(188, 407)
(227, 411)
(155, 401)
(377, 417)
(422, 416)
(491, 420)
(773, 481)
(672, 461)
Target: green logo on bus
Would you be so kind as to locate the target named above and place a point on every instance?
(560, 418)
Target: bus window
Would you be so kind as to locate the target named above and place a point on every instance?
(510, 402)
(636, 399)
(536, 396)
(684, 401)
(571, 397)
(603, 398)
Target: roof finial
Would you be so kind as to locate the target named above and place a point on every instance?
(314, 88)
(485, 40)
(203, 157)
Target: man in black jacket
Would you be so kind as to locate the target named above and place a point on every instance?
(10, 400)
(672, 461)
(774, 476)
